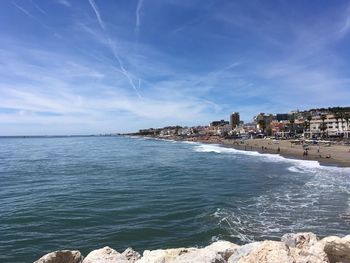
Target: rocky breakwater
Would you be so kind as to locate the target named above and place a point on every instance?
(293, 248)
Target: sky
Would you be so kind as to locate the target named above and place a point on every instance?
(102, 66)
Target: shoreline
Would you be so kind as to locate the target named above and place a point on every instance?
(292, 248)
(339, 155)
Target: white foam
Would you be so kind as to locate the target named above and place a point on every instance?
(189, 142)
(298, 165)
(167, 140)
(294, 169)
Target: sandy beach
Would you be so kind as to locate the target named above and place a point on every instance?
(334, 155)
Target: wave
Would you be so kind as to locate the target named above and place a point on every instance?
(298, 165)
(189, 142)
(286, 209)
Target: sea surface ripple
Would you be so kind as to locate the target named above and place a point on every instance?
(87, 192)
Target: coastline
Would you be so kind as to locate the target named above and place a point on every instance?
(292, 248)
(335, 155)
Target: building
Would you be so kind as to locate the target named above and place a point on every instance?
(263, 120)
(282, 116)
(234, 120)
(223, 130)
(328, 127)
(218, 123)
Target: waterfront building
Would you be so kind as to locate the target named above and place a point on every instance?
(329, 126)
(223, 130)
(234, 120)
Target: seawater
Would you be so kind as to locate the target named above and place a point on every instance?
(88, 192)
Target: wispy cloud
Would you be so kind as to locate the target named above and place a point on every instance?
(245, 57)
(346, 26)
(49, 95)
(66, 3)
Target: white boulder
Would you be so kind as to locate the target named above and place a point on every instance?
(163, 255)
(299, 240)
(337, 249)
(131, 254)
(62, 256)
(263, 252)
(105, 255)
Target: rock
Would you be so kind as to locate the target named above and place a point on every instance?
(62, 256)
(224, 248)
(293, 248)
(105, 255)
(299, 240)
(337, 249)
(311, 254)
(305, 248)
(200, 256)
(163, 255)
(131, 255)
(263, 252)
(217, 252)
(242, 252)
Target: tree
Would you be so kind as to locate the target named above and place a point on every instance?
(341, 115)
(292, 121)
(309, 118)
(323, 126)
(337, 117)
(262, 125)
(305, 126)
(346, 118)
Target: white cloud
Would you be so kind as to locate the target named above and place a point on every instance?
(57, 89)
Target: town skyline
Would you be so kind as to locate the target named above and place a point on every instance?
(92, 66)
(323, 121)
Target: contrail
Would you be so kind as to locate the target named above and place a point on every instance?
(111, 46)
(137, 29)
(138, 9)
(30, 15)
(99, 19)
(24, 11)
(38, 7)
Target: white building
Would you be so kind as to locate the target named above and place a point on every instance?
(223, 130)
(334, 127)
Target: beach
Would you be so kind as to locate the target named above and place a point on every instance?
(325, 154)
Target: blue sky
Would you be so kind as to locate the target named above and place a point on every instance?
(96, 66)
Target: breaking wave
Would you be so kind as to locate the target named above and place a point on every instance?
(298, 166)
(305, 202)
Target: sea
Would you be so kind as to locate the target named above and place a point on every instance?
(84, 193)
